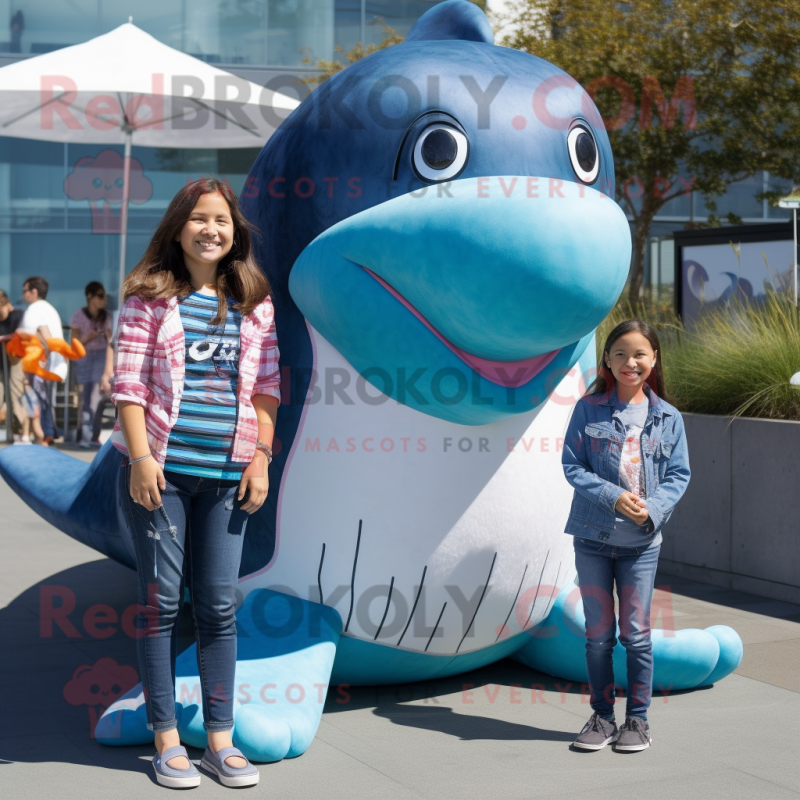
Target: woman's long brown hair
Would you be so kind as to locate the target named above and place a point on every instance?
(162, 273)
(605, 382)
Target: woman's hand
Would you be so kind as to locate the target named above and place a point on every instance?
(633, 507)
(85, 338)
(105, 382)
(147, 483)
(254, 482)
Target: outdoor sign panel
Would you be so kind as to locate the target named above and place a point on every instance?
(712, 274)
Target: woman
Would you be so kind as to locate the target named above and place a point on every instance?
(197, 389)
(91, 325)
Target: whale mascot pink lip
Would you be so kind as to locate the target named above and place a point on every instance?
(441, 248)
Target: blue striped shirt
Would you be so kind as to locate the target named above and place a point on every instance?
(201, 442)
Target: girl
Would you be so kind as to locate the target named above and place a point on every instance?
(626, 457)
(197, 388)
(91, 325)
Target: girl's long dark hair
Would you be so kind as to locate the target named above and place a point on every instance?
(162, 274)
(93, 288)
(605, 383)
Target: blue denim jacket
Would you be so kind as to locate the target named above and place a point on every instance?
(592, 447)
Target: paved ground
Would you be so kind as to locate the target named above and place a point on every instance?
(735, 740)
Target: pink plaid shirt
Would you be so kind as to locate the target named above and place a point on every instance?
(150, 367)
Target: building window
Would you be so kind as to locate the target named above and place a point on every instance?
(63, 223)
(232, 32)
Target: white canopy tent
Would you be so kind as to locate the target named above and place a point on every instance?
(126, 86)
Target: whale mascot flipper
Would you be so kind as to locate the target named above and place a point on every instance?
(441, 237)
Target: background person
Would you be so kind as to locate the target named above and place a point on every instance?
(41, 318)
(11, 395)
(626, 457)
(91, 325)
(16, 26)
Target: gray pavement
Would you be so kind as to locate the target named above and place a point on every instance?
(737, 739)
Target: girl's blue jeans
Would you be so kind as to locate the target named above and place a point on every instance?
(633, 570)
(193, 539)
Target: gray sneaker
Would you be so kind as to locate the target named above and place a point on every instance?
(634, 735)
(596, 733)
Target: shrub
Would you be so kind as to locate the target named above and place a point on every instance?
(738, 360)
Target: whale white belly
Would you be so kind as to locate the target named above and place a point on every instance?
(376, 501)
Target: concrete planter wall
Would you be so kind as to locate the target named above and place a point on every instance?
(738, 525)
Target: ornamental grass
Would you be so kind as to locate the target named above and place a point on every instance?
(735, 361)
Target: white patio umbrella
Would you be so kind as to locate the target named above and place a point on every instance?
(126, 85)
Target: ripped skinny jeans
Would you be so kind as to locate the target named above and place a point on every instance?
(193, 539)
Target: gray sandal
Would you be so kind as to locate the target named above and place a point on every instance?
(175, 778)
(228, 775)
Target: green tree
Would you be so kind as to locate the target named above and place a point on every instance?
(703, 90)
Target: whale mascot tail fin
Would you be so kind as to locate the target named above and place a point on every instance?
(682, 659)
(79, 499)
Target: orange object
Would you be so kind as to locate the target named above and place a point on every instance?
(73, 351)
(29, 347)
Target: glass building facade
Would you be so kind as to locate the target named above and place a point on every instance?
(689, 207)
(71, 242)
(282, 33)
(43, 231)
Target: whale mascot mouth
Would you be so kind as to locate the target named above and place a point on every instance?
(448, 297)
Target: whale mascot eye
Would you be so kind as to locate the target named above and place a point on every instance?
(583, 154)
(440, 153)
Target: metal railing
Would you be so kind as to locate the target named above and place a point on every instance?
(65, 390)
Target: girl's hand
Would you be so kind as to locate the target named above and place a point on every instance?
(147, 483)
(255, 482)
(633, 507)
(105, 383)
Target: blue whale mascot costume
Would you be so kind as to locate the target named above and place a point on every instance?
(439, 230)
